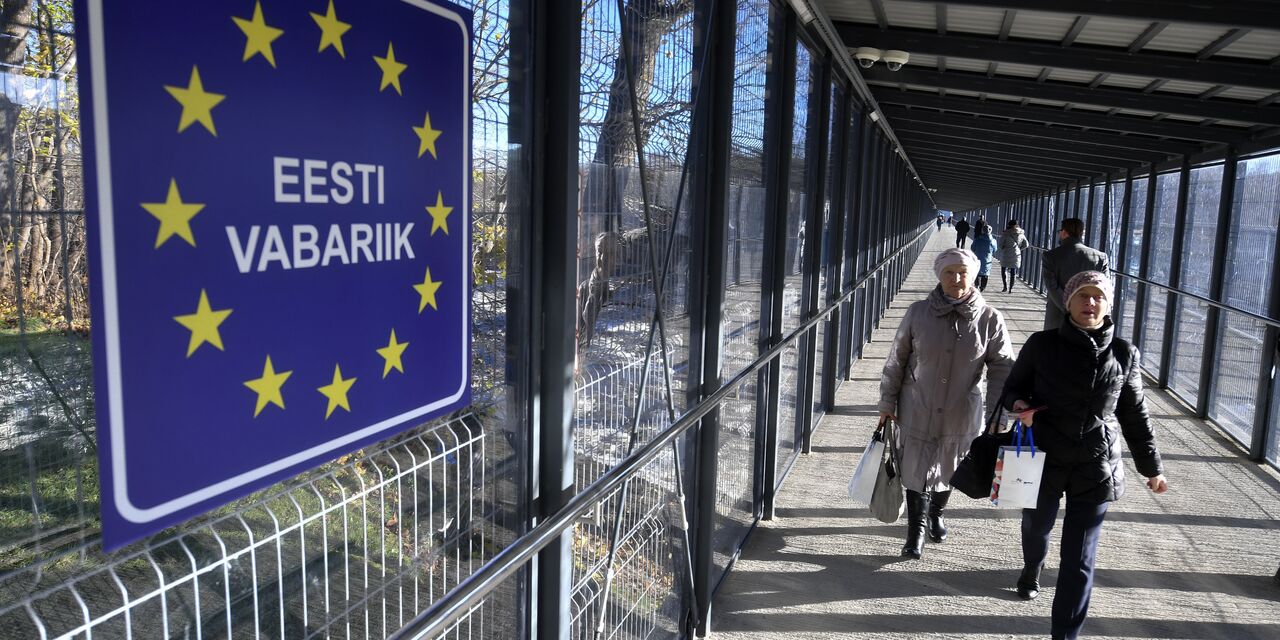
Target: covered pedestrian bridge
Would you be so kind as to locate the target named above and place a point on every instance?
(693, 227)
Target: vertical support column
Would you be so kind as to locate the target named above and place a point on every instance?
(1144, 262)
(1104, 242)
(712, 127)
(834, 336)
(1264, 414)
(1088, 217)
(1122, 255)
(552, 162)
(779, 118)
(811, 297)
(1175, 272)
(1217, 284)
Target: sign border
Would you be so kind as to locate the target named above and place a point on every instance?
(110, 317)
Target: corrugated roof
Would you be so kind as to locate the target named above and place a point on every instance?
(1185, 38)
(1260, 44)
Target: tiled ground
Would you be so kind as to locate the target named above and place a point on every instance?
(1196, 562)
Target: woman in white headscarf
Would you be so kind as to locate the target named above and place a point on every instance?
(931, 387)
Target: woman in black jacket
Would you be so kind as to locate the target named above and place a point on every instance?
(1089, 385)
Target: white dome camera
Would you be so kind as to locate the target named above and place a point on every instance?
(894, 59)
(866, 56)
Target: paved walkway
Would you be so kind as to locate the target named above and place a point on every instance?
(1196, 562)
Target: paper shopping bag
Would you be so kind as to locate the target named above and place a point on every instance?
(863, 482)
(1019, 469)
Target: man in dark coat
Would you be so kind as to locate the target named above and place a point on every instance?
(1070, 257)
(962, 231)
(1087, 388)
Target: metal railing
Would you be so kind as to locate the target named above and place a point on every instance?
(470, 593)
(1187, 294)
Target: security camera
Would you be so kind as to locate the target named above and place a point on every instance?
(866, 56)
(894, 59)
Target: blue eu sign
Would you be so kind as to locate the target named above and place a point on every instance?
(278, 197)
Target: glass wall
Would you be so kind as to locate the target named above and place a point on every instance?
(630, 381)
(1162, 232)
(740, 319)
(1136, 237)
(790, 429)
(1250, 261)
(1197, 269)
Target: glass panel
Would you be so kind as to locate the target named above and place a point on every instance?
(1115, 208)
(789, 428)
(740, 323)
(830, 184)
(1094, 236)
(622, 398)
(1128, 298)
(1161, 258)
(1197, 268)
(1250, 263)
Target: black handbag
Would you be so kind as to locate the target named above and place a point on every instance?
(977, 470)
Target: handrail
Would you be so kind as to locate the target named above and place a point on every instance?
(1195, 296)
(459, 602)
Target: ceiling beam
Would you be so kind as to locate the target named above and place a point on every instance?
(939, 134)
(1011, 154)
(978, 144)
(963, 159)
(1052, 54)
(1138, 149)
(968, 172)
(1054, 115)
(1079, 94)
(1256, 14)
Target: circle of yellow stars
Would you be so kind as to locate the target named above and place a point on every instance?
(175, 215)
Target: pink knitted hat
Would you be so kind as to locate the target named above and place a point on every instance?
(1088, 279)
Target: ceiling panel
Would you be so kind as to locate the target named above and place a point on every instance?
(1258, 45)
(1018, 70)
(855, 10)
(1245, 93)
(1182, 86)
(1185, 38)
(974, 19)
(1112, 32)
(1071, 75)
(1041, 25)
(1126, 82)
(920, 15)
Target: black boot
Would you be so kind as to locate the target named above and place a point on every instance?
(917, 505)
(1029, 582)
(938, 502)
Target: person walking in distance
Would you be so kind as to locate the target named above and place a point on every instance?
(930, 386)
(1012, 243)
(962, 232)
(982, 247)
(1087, 389)
(939, 222)
(1070, 257)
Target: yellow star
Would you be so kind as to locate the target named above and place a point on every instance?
(391, 353)
(268, 387)
(197, 104)
(391, 70)
(259, 35)
(428, 292)
(174, 215)
(203, 324)
(331, 30)
(439, 215)
(336, 392)
(428, 137)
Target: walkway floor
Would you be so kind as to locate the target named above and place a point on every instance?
(1196, 562)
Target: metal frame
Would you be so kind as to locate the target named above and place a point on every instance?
(1217, 284)
(1175, 274)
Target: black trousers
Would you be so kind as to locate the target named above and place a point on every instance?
(960, 240)
(982, 282)
(1080, 529)
(1013, 277)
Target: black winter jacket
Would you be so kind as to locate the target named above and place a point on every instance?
(1092, 387)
